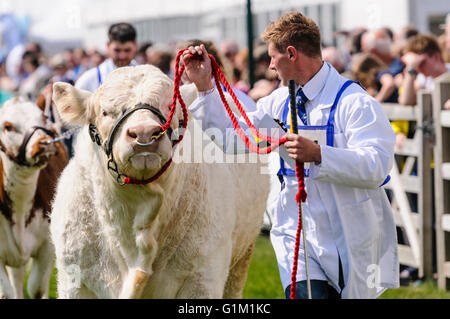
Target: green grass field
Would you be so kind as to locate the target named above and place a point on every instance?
(263, 280)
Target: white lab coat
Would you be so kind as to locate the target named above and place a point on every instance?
(89, 80)
(347, 181)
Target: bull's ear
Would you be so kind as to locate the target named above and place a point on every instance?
(72, 104)
(40, 102)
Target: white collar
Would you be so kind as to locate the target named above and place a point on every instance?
(316, 84)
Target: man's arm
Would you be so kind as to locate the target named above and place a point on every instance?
(208, 109)
(408, 94)
(412, 61)
(387, 87)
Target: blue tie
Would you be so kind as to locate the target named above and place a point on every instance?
(301, 100)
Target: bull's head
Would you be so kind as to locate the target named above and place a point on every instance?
(132, 138)
(23, 133)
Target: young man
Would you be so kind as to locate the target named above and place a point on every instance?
(121, 49)
(424, 63)
(351, 234)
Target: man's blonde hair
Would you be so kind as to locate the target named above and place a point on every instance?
(296, 30)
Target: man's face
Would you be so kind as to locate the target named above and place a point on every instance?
(279, 62)
(428, 65)
(121, 53)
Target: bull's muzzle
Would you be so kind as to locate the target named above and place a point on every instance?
(144, 137)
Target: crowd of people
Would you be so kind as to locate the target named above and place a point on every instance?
(391, 66)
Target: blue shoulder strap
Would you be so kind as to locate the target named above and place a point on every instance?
(330, 124)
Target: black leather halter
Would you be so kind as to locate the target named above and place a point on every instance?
(108, 145)
(21, 156)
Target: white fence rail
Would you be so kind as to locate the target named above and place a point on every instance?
(422, 157)
(411, 174)
(441, 119)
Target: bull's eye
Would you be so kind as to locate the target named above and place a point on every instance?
(9, 127)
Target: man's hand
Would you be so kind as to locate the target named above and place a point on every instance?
(413, 60)
(302, 149)
(198, 67)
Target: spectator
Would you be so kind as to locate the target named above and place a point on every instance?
(389, 32)
(379, 43)
(262, 61)
(266, 79)
(424, 62)
(229, 49)
(95, 58)
(335, 57)
(141, 55)
(402, 37)
(6, 85)
(121, 48)
(445, 40)
(375, 77)
(60, 69)
(160, 56)
(36, 75)
(240, 80)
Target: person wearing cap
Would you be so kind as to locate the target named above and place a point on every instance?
(351, 234)
(121, 49)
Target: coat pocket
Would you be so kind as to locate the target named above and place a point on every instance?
(362, 229)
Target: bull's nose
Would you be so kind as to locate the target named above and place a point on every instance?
(142, 134)
(41, 147)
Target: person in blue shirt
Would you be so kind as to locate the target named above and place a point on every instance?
(121, 48)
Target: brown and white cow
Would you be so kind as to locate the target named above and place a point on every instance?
(188, 234)
(29, 170)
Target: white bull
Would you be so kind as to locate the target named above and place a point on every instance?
(189, 234)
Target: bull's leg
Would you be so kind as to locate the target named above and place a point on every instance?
(134, 284)
(137, 276)
(209, 279)
(146, 226)
(17, 277)
(6, 290)
(70, 285)
(41, 271)
(68, 291)
(238, 276)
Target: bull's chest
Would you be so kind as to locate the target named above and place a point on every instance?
(131, 231)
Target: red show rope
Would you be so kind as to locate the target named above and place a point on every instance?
(274, 142)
